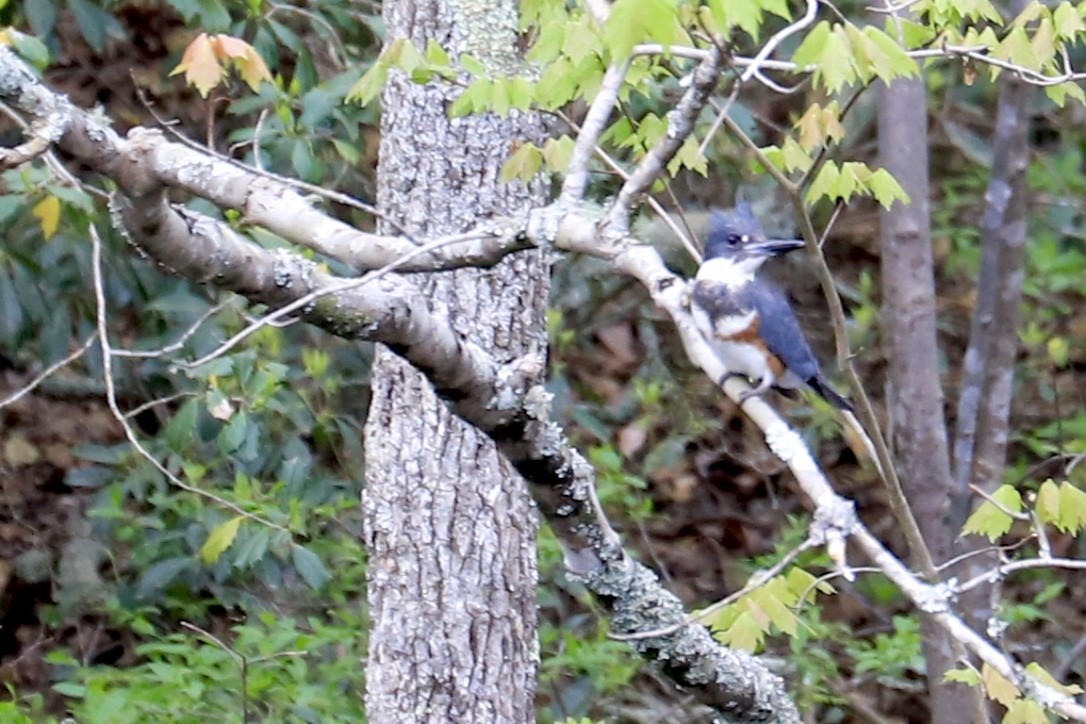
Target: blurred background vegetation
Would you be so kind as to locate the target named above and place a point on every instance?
(114, 609)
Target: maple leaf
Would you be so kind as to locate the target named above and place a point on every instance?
(200, 65)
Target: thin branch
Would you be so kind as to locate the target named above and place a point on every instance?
(1005, 568)
(680, 125)
(592, 127)
(176, 344)
(111, 393)
(48, 372)
(777, 38)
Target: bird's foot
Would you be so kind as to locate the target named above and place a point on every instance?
(727, 376)
(747, 394)
(757, 391)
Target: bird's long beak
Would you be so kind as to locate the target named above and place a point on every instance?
(774, 247)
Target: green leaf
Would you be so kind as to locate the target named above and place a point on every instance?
(436, 55)
(499, 97)
(1041, 674)
(347, 150)
(824, 180)
(548, 44)
(1072, 507)
(1067, 21)
(743, 14)
(1048, 503)
(810, 50)
(582, 40)
(181, 426)
(370, 85)
(989, 519)
(556, 85)
(523, 164)
(251, 548)
(1016, 48)
(70, 689)
(836, 65)
(1043, 42)
(472, 65)
(637, 21)
(888, 59)
(32, 50)
(779, 8)
(744, 633)
(521, 92)
(403, 54)
(777, 610)
(964, 676)
(161, 574)
(233, 435)
(557, 152)
(689, 156)
(1025, 711)
(95, 24)
(1059, 93)
(220, 539)
(998, 686)
(41, 15)
(913, 34)
(309, 567)
(475, 98)
(885, 188)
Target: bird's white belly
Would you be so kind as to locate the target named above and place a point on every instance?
(739, 357)
(742, 358)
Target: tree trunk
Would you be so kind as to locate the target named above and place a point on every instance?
(449, 524)
(915, 397)
(984, 405)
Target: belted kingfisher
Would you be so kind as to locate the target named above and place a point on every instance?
(748, 320)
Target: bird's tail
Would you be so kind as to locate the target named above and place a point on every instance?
(819, 385)
(827, 393)
(865, 440)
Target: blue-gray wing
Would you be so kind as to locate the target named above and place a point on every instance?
(780, 331)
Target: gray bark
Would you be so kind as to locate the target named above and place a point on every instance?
(915, 397)
(449, 524)
(984, 405)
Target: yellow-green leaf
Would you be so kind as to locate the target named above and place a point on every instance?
(523, 164)
(744, 633)
(48, 213)
(1059, 93)
(837, 66)
(1041, 674)
(783, 617)
(1072, 507)
(557, 152)
(998, 686)
(964, 676)
(1067, 21)
(435, 54)
(810, 50)
(1048, 503)
(370, 85)
(989, 519)
(1025, 711)
(220, 539)
(885, 188)
(823, 182)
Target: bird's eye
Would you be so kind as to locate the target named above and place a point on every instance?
(733, 239)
